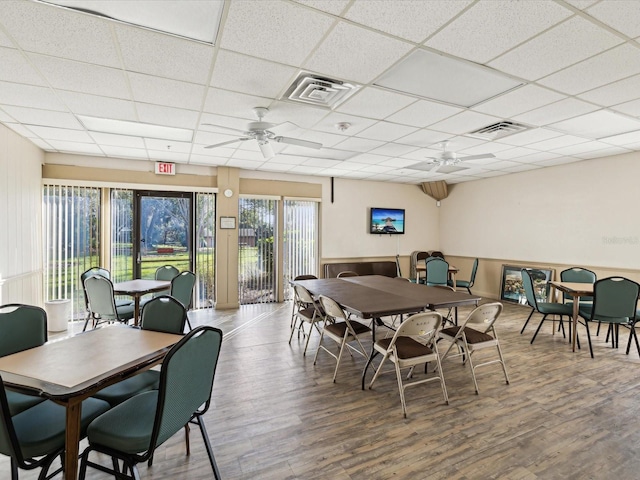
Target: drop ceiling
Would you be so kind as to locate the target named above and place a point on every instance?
(569, 71)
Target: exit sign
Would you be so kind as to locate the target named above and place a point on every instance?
(164, 168)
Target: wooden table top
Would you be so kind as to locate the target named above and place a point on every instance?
(139, 285)
(64, 368)
(574, 288)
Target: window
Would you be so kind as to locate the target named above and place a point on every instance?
(300, 241)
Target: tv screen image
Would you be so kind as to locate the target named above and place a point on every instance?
(387, 220)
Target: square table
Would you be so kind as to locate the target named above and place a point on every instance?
(69, 370)
(137, 288)
(376, 296)
(576, 290)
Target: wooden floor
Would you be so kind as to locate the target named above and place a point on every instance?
(277, 416)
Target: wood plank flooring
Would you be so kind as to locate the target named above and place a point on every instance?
(275, 415)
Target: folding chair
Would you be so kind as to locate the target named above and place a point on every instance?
(309, 311)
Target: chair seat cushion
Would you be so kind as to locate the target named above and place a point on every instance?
(128, 426)
(19, 402)
(585, 312)
(406, 347)
(121, 391)
(40, 429)
(125, 312)
(462, 283)
(473, 336)
(123, 302)
(339, 328)
(553, 308)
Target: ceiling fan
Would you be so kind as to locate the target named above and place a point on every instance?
(262, 132)
(448, 158)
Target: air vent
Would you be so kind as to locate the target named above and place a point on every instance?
(498, 130)
(321, 91)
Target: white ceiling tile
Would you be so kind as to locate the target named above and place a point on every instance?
(169, 116)
(555, 112)
(4, 40)
(563, 45)
(20, 130)
(398, 162)
(34, 116)
(376, 169)
(77, 148)
(623, 139)
(326, 139)
(72, 35)
(558, 161)
(329, 122)
(341, 53)
(29, 96)
(529, 136)
(464, 122)
(386, 131)
(163, 91)
(359, 144)
(247, 164)
(615, 93)
(207, 160)
(321, 162)
(622, 15)
(602, 153)
(166, 145)
(502, 165)
(581, 4)
(168, 156)
(16, 68)
(424, 113)
(305, 170)
(82, 77)
(375, 103)
(155, 53)
(486, 147)
(581, 148)
(393, 149)
(515, 153)
(462, 143)
(598, 124)
(523, 168)
(423, 138)
(49, 133)
(557, 142)
(96, 106)
(300, 115)
(516, 22)
(5, 117)
(335, 7)
(536, 157)
(233, 104)
(254, 76)
(414, 20)
(117, 140)
(274, 24)
(123, 152)
(630, 108)
(617, 63)
(519, 101)
(276, 167)
(46, 147)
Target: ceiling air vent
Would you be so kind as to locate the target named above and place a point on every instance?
(498, 130)
(321, 91)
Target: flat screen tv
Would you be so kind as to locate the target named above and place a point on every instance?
(387, 220)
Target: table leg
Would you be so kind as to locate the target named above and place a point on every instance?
(136, 310)
(373, 350)
(72, 439)
(576, 305)
(452, 276)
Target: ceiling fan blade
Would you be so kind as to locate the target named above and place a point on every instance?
(229, 142)
(267, 150)
(476, 157)
(298, 142)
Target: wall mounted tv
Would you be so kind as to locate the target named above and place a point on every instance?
(387, 221)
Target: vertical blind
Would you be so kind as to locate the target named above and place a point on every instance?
(205, 223)
(300, 241)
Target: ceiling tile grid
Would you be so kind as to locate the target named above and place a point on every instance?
(571, 71)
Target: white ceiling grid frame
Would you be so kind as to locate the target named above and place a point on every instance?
(375, 103)
(516, 22)
(614, 93)
(621, 15)
(630, 108)
(424, 113)
(520, 100)
(16, 68)
(556, 112)
(598, 124)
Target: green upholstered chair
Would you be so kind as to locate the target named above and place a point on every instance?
(35, 437)
(182, 290)
(161, 314)
(133, 430)
(578, 275)
(467, 283)
(21, 327)
(437, 271)
(102, 304)
(105, 273)
(544, 308)
(166, 272)
(614, 301)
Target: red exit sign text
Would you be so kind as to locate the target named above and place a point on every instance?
(164, 168)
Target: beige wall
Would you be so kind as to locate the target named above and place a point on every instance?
(21, 220)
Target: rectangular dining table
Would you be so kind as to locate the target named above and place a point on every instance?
(138, 288)
(376, 296)
(576, 290)
(70, 370)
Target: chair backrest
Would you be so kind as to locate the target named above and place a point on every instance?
(303, 295)
(615, 297)
(474, 270)
(332, 308)
(89, 273)
(163, 314)
(529, 292)
(437, 271)
(190, 366)
(21, 327)
(306, 277)
(9, 444)
(577, 275)
(436, 253)
(182, 288)
(100, 295)
(424, 325)
(483, 317)
(347, 273)
(166, 272)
